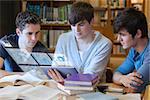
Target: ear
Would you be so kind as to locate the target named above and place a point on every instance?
(92, 21)
(18, 31)
(138, 34)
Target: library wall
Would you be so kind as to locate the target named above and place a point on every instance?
(8, 11)
(147, 13)
(54, 15)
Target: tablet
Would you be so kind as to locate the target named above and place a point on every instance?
(21, 57)
(35, 71)
(63, 70)
(43, 59)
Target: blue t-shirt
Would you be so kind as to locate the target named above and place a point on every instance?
(139, 62)
(135, 60)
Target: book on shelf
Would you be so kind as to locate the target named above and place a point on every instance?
(94, 3)
(50, 37)
(118, 49)
(44, 37)
(70, 92)
(82, 79)
(49, 13)
(103, 3)
(118, 3)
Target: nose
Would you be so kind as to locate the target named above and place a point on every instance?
(118, 37)
(77, 28)
(33, 37)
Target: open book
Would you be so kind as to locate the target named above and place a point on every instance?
(71, 92)
(29, 92)
(96, 96)
(27, 78)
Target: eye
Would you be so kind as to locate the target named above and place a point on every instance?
(82, 24)
(30, 33)
(37, 33)
(123, 34)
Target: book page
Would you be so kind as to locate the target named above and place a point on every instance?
(11, 92)
(130, 96)
(10, 78)
(27, 77)
(71, 92)
(40, 92)
(96, 96)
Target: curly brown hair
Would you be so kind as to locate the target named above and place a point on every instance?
(26, 17)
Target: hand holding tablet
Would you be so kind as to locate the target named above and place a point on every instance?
(63, 70)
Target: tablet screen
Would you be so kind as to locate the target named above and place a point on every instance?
(21, 56)
(63, 70)
(42, 58)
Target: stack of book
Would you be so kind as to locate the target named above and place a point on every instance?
(79, 83)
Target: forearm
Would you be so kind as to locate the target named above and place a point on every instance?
(3, 73)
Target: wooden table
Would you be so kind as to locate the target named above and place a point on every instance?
(146, 95)
(64, 96)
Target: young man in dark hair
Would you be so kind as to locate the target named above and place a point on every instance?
(26, 38)
(85, 49)
(131, 27)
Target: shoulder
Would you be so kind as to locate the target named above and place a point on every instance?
(10, 36)
(103, 40)
(65, 36)
(11, 39)
(39, 47)
(148, 48)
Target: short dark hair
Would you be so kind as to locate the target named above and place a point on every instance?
(81, 11)
(131, 20)
(26, 17)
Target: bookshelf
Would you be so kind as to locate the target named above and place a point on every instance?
(105, 12)
(138, 4)
(54, 17)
